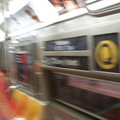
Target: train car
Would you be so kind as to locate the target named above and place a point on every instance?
(73, 62)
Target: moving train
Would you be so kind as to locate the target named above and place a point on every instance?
(71, 63)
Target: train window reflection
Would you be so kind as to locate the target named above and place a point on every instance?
(97, 97)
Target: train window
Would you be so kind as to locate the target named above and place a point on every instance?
(23, 62)
(95, 96)
(21, 58)
(106, 52)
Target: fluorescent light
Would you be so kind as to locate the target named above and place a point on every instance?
(16, 5)
(1, 17)
(7, 14)
(14, 41)
(2, 36)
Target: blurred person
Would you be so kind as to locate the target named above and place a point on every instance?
(7, 109)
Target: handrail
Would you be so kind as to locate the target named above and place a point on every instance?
(107, 10)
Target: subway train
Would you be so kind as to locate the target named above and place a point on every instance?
(71, 64)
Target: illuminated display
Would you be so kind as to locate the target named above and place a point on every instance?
(106, 52)
(68, 44)
(68, 62)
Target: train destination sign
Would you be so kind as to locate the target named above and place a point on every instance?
(68, 62)
(68, 44)
(106, 52)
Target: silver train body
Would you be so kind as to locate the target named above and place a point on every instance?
(91, 27)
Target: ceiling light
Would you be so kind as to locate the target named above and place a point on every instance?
(2, 36)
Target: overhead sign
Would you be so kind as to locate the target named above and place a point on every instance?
(106, 54)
